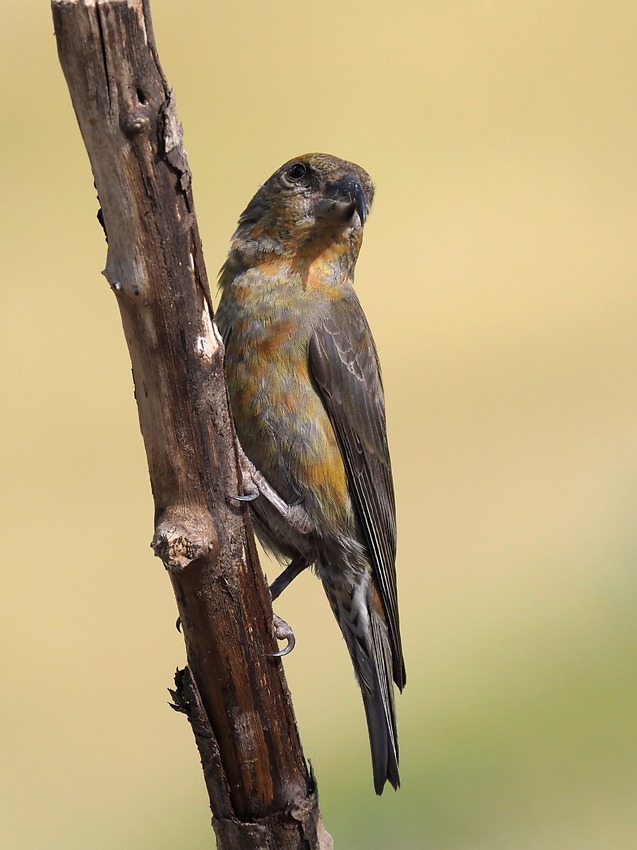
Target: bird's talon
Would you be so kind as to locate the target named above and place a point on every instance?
(249, 497)
(282, 631)
(286, 650)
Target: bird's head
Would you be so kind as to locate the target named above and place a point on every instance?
(311, 200)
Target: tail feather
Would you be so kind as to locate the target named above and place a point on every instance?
(367, 639)
(380, 710)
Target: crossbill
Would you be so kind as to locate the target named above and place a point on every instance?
(308, 405)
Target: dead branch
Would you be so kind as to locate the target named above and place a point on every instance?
(261, 792)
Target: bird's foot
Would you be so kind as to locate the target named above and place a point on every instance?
(247, 469)
(282, 631)
(255, 485)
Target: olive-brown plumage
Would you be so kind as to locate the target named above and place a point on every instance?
(308, 405)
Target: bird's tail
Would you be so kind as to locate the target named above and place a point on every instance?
(362, 622)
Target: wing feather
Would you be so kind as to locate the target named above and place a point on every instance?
(344, 363)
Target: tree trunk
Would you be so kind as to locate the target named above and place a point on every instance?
(234, 693)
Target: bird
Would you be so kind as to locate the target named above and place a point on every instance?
(308, 405)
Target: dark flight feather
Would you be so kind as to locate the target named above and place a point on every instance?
(344, 363)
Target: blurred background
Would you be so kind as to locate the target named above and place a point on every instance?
(499, 276)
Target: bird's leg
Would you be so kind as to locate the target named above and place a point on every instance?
(281, 629)
(256, 485)
(296, 516)
(293, 569)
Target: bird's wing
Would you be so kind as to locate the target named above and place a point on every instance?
(344, 363)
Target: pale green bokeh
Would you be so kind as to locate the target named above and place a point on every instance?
(499, 273)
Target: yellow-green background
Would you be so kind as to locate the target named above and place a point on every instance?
(499, 274)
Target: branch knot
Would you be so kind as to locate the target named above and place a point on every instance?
(183, 534)
(135, 123)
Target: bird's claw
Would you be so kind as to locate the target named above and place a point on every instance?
(246, 467)
(249, 497)
(282, 631)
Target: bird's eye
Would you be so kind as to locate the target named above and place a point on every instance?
(297, 172)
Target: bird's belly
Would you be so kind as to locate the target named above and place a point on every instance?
(285, 431)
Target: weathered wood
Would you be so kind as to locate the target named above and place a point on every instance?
(235, 695)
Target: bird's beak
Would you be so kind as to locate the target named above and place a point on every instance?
(341, 199)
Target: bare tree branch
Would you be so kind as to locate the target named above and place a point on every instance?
(235, 695)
